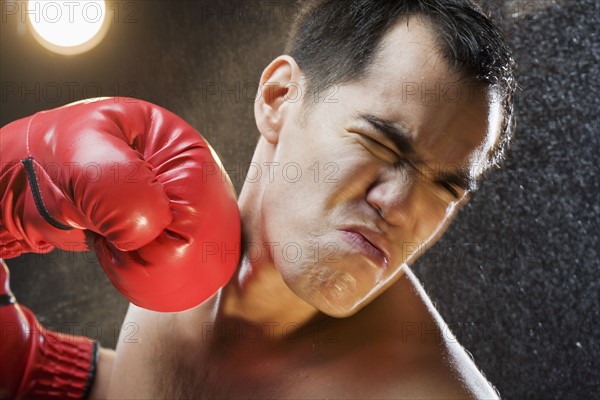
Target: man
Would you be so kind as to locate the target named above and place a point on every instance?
(323, 304)
(392, 111)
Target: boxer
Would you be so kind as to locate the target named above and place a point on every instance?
(141, 185)
(343, 316)
(414, 105)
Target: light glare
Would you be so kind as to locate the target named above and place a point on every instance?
(67, 26)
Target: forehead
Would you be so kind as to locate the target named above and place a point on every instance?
(411, 85)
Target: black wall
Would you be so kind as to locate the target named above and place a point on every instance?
(516, 276)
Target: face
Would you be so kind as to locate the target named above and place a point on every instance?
(374, 174)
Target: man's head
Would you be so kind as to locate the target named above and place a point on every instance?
(371, 173)
(335, 42)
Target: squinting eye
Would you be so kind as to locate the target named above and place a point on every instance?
(377, 148)
(448, 186)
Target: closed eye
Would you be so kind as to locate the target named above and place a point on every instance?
(391, 155)
(448, 186)
(377, 148)
(457, 182)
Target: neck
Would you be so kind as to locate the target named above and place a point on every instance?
(257, 293)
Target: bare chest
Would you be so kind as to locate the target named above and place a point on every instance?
(374, 354)
(315, 363)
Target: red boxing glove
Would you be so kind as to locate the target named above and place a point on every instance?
(36, 363)
(164, 213)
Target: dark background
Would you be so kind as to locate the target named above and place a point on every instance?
(515, 277)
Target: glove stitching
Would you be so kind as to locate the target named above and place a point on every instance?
(27, 135)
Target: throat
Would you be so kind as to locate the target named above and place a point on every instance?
(262, 300)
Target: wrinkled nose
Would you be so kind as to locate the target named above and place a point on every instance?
(394, 196)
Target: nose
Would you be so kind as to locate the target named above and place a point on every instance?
(394, 196)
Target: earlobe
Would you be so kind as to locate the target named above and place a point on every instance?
(278, 84)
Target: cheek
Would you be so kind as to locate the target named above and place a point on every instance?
(292, 217)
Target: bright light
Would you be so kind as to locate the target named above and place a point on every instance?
(68, 26)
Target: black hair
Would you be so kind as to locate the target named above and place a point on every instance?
(335, 41)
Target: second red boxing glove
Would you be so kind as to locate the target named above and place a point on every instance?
(149, 187)
(36, 363)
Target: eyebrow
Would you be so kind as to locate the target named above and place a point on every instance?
(402, 138)
(397, 134)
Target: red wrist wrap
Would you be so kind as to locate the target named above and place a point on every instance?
(59, 366)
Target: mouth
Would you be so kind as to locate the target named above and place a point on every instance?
(366, 247)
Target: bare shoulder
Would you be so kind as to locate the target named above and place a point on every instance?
(138, 340)
(440, 366)
(151, 346)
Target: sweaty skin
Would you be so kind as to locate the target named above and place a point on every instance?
(331, 319)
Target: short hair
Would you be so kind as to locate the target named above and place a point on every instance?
(335, 42)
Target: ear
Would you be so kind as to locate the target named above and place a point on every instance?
(278, 91)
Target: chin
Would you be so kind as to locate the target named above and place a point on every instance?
(340, 313)
(341, 305)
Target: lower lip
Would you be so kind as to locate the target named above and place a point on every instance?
(359, 242)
